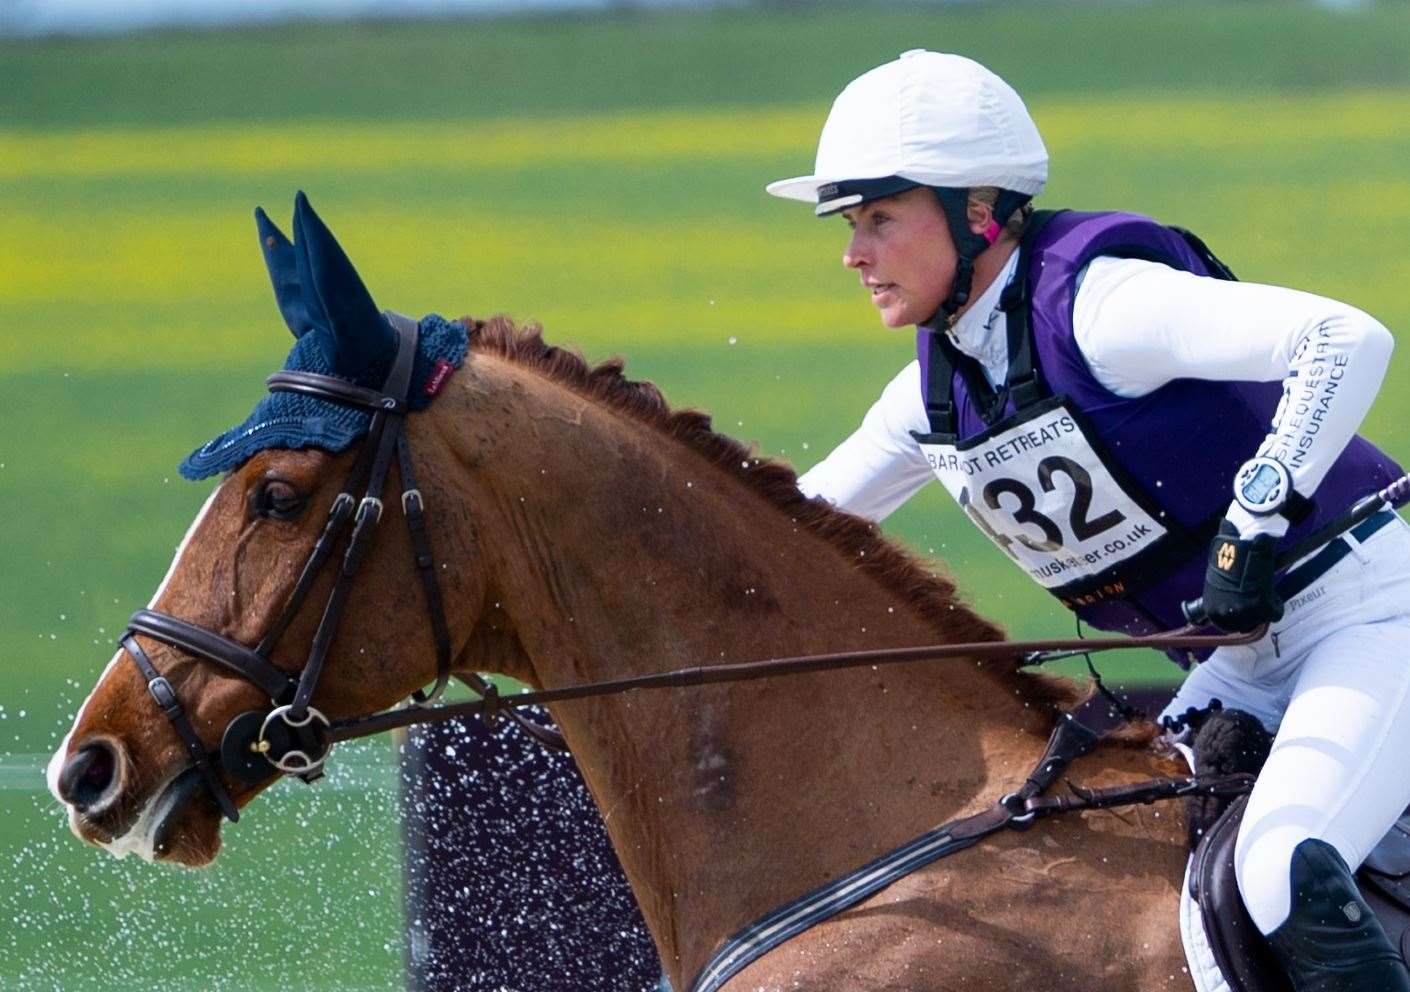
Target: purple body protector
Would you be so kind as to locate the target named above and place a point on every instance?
(1179, 446)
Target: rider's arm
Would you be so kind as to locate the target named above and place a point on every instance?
(1141, 324)
(880, 466)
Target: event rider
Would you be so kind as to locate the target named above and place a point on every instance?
(1133, 427)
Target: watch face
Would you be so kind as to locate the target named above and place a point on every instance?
(1262, 485)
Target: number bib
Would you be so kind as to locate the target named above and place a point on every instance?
(1039, 487)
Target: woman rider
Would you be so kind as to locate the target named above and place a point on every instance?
(1105, 402)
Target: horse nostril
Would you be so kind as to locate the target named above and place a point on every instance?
(88, 775)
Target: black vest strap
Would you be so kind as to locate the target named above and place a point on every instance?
(940, 386)
(943, 361)
(1016, 302)
(1022, 382)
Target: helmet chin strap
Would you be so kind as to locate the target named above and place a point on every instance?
(954, 201)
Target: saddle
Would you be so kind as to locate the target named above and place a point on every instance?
(1242, 952)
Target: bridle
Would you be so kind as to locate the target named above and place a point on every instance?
(292, 737)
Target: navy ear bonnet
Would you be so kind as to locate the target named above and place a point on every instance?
(292, 420)
(339, 332)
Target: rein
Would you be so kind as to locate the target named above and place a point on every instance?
(491, 704)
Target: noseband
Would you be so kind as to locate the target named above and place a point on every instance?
(291, 737)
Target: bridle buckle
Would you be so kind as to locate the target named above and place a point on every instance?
(163, 693)
(370, 505)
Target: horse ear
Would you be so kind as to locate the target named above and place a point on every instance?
(359, 340)
(279, 259)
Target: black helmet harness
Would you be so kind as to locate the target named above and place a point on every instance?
(954, 202)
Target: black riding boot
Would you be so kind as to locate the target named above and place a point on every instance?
(1331, 941)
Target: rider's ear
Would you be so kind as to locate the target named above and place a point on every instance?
(358, 340)
(279, 259)
(981, 217)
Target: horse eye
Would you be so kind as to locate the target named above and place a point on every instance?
(278, 500)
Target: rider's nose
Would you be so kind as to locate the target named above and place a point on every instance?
(90, 776)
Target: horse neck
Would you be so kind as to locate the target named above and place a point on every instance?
(612, 549)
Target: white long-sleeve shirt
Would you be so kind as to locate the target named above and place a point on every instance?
(1140, 325)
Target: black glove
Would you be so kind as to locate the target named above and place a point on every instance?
(1238, 582)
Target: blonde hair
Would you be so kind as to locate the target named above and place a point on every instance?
(989, 196)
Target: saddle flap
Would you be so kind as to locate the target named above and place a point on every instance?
(1391, 857)
(1385, 882)
(1240, 950)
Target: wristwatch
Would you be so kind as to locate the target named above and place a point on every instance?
(1263, 487)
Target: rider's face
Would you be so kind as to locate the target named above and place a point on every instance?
(903, 252)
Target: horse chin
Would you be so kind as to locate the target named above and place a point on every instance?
(188, 832)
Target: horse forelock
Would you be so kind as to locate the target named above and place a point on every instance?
(932, 595)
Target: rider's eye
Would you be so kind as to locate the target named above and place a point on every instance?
(278, 500)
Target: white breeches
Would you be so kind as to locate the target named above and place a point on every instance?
(1332, 681)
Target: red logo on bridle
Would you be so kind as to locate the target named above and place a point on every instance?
(439, 374)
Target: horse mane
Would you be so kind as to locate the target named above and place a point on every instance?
(932, 595)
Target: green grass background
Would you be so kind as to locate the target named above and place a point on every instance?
(603, 175)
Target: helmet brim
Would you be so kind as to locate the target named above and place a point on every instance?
(832, 195)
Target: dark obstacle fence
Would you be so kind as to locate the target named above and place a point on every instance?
(511, 883)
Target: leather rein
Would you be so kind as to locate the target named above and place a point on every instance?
(294, 738)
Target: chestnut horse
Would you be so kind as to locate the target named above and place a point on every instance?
(585, 531)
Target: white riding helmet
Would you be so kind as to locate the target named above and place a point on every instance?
(926, 119)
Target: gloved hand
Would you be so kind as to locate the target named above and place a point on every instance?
(1238, 582)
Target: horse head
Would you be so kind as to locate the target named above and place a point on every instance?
(132, 778)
